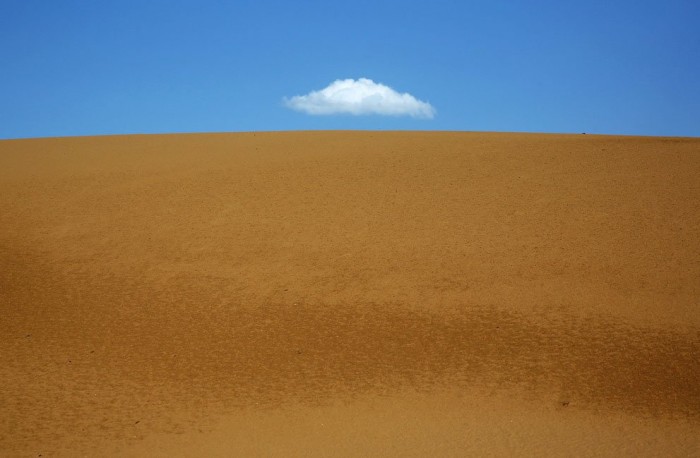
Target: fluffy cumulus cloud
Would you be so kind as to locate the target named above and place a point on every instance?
(360, 97)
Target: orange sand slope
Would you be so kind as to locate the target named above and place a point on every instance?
(345, 293)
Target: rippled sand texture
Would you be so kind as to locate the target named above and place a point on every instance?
(350, 293)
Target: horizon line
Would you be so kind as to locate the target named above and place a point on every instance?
(233, 132)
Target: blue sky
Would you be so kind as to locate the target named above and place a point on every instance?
(88, 68)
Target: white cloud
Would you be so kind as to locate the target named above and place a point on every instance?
(360, 97)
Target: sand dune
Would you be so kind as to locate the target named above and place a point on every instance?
(350, 293)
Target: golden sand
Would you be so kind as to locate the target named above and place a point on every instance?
(350, 294)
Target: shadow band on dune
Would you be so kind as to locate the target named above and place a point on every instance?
(233, 355)
(311, 352)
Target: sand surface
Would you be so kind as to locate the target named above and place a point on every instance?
(350, 294)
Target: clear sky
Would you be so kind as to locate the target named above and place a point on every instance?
(109, 67)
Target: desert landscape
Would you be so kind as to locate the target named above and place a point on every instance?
(350, 293)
